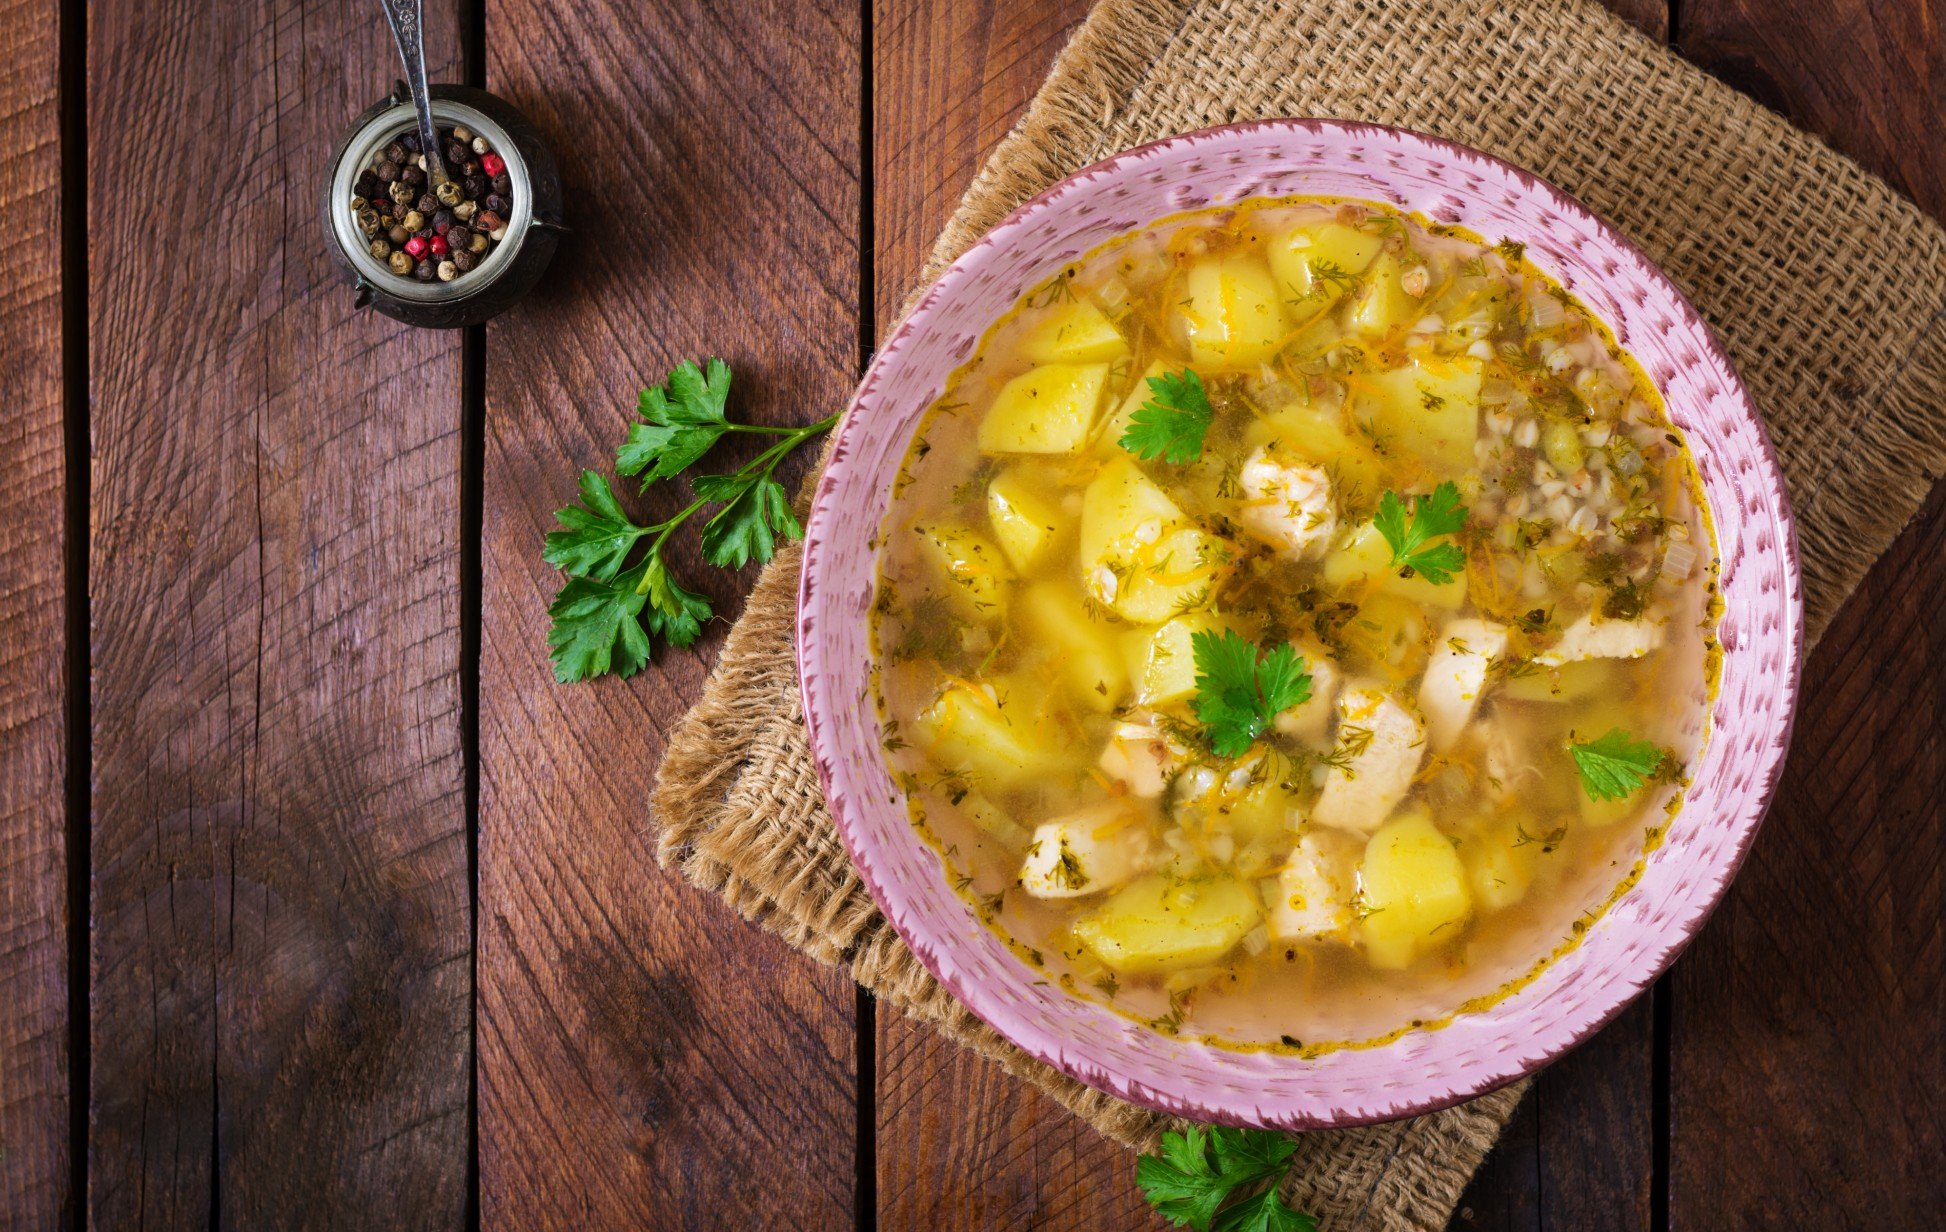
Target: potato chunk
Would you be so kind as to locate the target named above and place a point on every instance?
(1078, 647)
(1138, 395)
(1499, 863)
(1164, 923)
(1311, 900)
(1385, 304)
(995, 736)
(1088, 852)
(1162, 661)
(1287, 504)
(1050, 409)
(1075, 333)
(1025, 522)
(1361, 794)
(1138, 555)
(1366, 559)
(1456, 677)
(1234, 313)
(1414, 889)
(977, 576)
(1429, 408)
(1315, 267)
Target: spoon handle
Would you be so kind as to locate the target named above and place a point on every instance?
(407, 19)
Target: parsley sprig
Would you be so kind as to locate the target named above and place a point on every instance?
(1172, 423)
(1195, 1180)
(608, 615)
(1240, 690)
(1615, 765)
(1433, 516)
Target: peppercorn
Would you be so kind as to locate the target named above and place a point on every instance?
(455, 154)
(461, 133)
(413, 221)
(438, 245)
(388, 171)
(470, 167)
(395, 152)
(401, 264)
(465, 210)
(449, 193)
(476, 186)
(493, 163)
(400, 192)
(414, 176)
(367, 183)
(427, 203)
(502, 183)
(368, 221)
(410, 140)
(488, 221)
(424, 271)
(499, 204)
(442, 222)
(480, 146)
(416, 246)
(399, 235)
(448, 271)
(478, 244)
(381, 249)
(464, 260)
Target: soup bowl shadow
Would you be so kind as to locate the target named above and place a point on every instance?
(1624, 951)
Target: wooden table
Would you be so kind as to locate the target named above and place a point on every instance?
(320, 905)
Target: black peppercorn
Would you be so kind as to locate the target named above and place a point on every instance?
(388, 171)
(442, 221)
(426, 203)
(412, 175)
(425, 233)
(367, 183)
(475, 186)
(470, 166)
(503, 183)
(411, 143)
(425, 271)
(464, 260)
(395, 152)
(499, 204)
(455, 155)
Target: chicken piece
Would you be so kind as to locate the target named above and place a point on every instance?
(1383, 742)
(1287, 505)
(1140, 757)
(1309, 722)
(1456, 676)
(1592, 638)
(1311, 899)
(1095, 849)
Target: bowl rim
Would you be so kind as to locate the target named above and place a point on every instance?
(1327, 1109)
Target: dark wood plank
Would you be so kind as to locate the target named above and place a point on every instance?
(647, 1059)
(280, 959)
(34, 1181)
(1869, 76)
(1808, 1059)
(960, 1144)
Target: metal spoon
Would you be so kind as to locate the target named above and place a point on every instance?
(407, 19)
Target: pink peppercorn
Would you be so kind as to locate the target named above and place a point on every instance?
(492, 164)
(439, 246)
(416, 247)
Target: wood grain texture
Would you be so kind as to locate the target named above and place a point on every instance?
(280, 955)
(646, 1058)
(34, 1176)
(1808, 1067)
(960, 1144)
(1869, 76)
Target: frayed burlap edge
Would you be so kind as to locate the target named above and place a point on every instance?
(736, 798)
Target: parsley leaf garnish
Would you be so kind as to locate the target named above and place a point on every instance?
(1239, 691)
(1199, 1170)
(608, 614)
(1616, 764)
(1171, 424)
(1432, 516)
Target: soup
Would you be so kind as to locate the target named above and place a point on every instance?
(1293, 623)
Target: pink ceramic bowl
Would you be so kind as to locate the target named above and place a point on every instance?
(1761, 629)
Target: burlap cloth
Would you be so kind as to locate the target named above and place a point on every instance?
(1828, 287)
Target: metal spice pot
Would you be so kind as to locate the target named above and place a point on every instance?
(512, 266)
